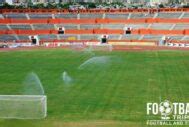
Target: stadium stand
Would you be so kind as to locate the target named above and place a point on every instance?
(145, 25)
(43, 26)
(175, 37)
(23, 37)
(113, 26)
(66, 16)
(113, 37)
(161, 26)
(137, 26)
(89, 37)
(1, 16)
(168, 15)
(186, 38)
(152, 37)
(130, 37)
(141, 15)
(15, 16)
(67, 26)
(116, 16)
(24, 26)
(3, 27)
(90, 26)
(68, 37)
(7, 37)
(91, 16)
(186, 15)
(181, 26)
(97, 37)
(40, 16)
(46, 37)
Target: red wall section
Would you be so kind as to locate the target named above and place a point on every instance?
(186, 32)
(79, 31)
(107, 31)
(88, 21)
(144, 31)
(5, 21)
(173, 32)
(100, 31)
(102, 21)
(134, 31)
(33, 32)
(92, 21)
(31, 21)
(158, 32)
(152, 20)
(115, 31)
(173, 20)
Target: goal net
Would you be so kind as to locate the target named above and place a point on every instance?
(100, 47)
(23, 106)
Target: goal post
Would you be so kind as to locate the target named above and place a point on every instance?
(23, 106)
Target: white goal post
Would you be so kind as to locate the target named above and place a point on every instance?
(23, 106)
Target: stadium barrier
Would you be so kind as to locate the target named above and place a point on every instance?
(146, 43)
(65, 43)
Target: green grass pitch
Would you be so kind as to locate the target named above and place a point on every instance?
(112, 95)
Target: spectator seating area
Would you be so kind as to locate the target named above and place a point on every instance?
(169, 15)
(67, 26)
(89, 16)
(43, 26)
(141, 15)
(15, 16)
(12, 27)
(3, 27)
(181, 26)
(40, 16)
(90, 26)
(5, 38)
(161, 26)
(152, 37)
(116, 16)
(95, 15)
(186, 15)
(66, 16)
(21, 27)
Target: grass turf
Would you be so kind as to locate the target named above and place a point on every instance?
(112, 96)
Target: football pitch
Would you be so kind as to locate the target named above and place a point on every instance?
(96, 89)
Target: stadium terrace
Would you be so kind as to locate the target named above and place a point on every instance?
(119, 27)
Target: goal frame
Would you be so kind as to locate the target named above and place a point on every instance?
(33, 97)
